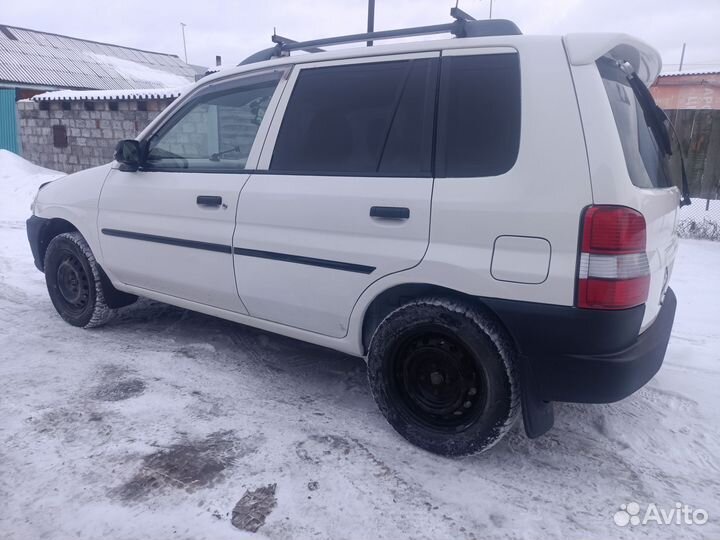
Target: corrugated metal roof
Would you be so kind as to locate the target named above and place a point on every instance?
(44, 59)
(97, 95)
(681, 73)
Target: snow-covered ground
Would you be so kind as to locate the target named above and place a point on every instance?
(156, 425)
(19, 181)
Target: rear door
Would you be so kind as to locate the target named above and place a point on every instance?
(343, 193)
(653, 173)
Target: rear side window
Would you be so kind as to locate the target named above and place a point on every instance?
(369, 119)
(648, 165)
(479, 115)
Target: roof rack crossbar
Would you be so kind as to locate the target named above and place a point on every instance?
(383, 34)
(460, 15)
(463, 26)
(281, 40)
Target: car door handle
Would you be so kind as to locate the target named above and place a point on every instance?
(390, 212)
(209, 200)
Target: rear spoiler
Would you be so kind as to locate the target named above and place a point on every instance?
(585, 49)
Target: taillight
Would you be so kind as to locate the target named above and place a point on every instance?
(614, 272)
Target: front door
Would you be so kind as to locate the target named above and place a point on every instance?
(343, 191)
(168, 227)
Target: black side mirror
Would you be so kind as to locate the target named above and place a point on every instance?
(128, 154)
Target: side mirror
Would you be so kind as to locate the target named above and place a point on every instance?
(128, 154)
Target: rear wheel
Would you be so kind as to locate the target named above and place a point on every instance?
(73, 281)
(442, 374)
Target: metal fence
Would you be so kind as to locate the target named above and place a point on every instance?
(700, 220)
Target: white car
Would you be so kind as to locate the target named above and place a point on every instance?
(489, 219)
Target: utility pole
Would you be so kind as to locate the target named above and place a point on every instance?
(183, 25)
(371, 20)
(682, 57)
(491, 1)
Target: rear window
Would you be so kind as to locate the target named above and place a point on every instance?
(649, 166)
(369, 119)
(479, 115)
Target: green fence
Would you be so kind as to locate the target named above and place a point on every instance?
(8, 121)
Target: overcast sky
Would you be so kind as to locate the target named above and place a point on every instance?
(236, 28)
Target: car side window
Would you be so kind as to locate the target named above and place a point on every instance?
(366, 119)
(215, 130)
(478, 115)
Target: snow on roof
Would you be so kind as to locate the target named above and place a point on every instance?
(140, 72)
(93, 95)
(41, 59)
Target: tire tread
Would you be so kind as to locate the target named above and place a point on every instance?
(488, 325)
(102, 313)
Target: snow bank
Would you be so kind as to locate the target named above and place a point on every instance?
(19, 182)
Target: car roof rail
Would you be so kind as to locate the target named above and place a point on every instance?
(463, 26)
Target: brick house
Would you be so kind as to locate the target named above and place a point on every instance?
(74, 130)
(34, 62)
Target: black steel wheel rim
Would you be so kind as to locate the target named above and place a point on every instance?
(73, 282)
(439, 382)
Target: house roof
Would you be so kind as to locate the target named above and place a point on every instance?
(110, 95)
(685, 73)
(45, 60)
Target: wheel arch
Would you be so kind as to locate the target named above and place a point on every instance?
(393, 297)
(57, 226)
(52, 228)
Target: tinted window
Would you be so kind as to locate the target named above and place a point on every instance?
(216, 130)
(648, 166)
(372, 118)
(479, 115)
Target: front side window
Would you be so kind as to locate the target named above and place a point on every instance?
(214, 131)
(366, 119)
(478, 115)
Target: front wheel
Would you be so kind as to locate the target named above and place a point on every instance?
(442, 374)
(74, 281)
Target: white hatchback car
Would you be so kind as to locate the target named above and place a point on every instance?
(489, 220)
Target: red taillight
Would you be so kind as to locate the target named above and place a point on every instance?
(614, 272)
(613, 229)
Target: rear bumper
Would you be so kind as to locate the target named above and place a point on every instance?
(34, 226)
(604, 378)
(589, 356)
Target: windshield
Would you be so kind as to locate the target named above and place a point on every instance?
(652, 156)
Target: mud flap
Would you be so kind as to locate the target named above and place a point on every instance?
(114, 298)
(538, 414)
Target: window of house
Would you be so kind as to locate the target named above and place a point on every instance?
(478, 115)
(215, 130)
(60, 139)
(373, 118)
